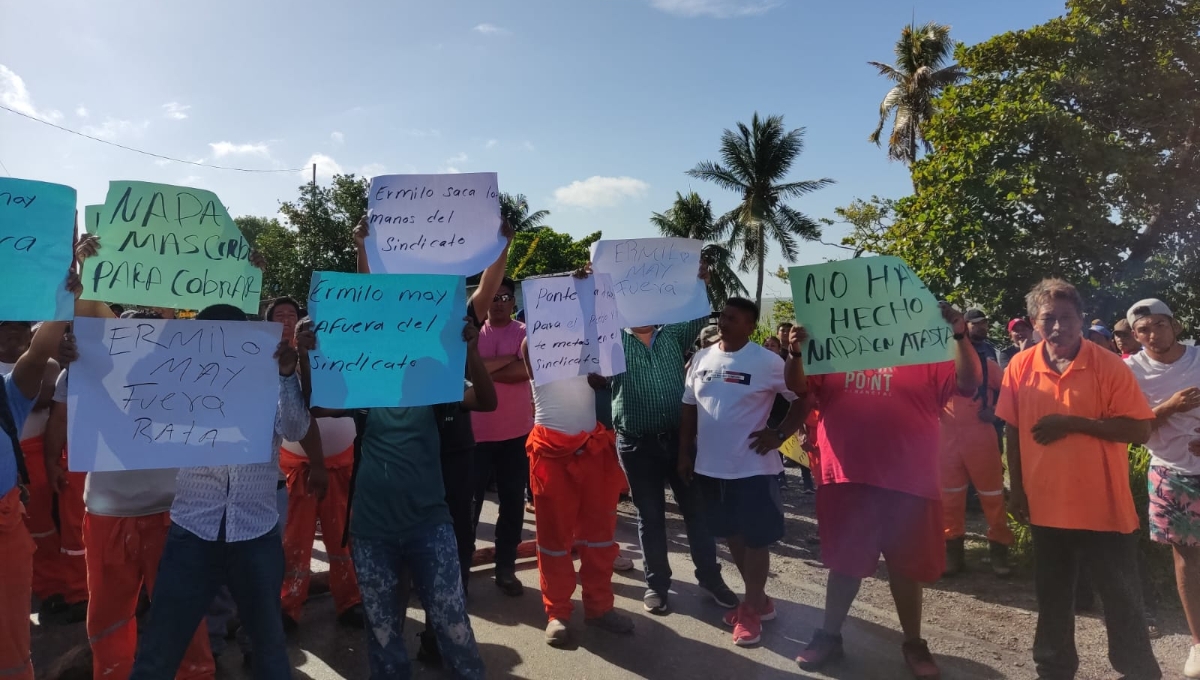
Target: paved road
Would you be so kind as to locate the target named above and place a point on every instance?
(980, 629)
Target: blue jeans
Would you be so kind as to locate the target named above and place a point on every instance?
(650, 464)
(384, 569)
(222, 609)
(189, 573)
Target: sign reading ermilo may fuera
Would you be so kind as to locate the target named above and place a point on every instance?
(865, 313)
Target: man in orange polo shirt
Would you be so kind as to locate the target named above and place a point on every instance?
(1072, 408)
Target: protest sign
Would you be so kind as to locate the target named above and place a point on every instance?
(792, 450)
(434, 224)
(148, 393)
(387, 339)
(656, 280)
(168, 246)
(865, 313)
(91, 218)
(572, 327)
(37, 225)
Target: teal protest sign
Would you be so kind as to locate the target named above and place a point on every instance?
(387, 339)
(865, 313)
(37, 225)
(169, 246)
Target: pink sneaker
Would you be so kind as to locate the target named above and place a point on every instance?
(731, 617)
(748, 629)
(920, 661)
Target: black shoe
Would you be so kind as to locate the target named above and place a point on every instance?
(353, 617)
(428, 653)
(51, 608)
(508, 584)
(956, 558)
(721, 594)
(999, 556)
(290, 625)
(75, 613)
(655, 602)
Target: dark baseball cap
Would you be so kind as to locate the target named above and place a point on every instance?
(973, 315)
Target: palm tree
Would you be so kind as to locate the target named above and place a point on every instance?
(515, 209)
(692, 217)
(919, 75)
(756, 161)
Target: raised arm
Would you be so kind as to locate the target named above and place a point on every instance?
(968, 372)
(481, 395)
(490, 280)
(361, 231)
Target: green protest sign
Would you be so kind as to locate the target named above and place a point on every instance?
(169, 246)
(865, 313)
(91, 218)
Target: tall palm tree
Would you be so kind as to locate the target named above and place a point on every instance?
(515, 209)
(756, 160)
(692, 217)
(919, 75)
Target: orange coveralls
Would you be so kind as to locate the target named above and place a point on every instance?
(970, 454)
(576, 481)
(59, 567)
(300, 530)
(16, 583)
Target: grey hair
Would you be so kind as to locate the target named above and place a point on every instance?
(1049, 290)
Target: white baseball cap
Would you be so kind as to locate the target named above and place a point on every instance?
(1148, 307)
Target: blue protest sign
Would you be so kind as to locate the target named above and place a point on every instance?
(37, 225)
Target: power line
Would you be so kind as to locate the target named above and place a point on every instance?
(2, 165)
(144, 153)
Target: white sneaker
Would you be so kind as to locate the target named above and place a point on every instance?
(622, 563)
(1191, 669)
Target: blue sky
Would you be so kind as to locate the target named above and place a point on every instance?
(594, 109)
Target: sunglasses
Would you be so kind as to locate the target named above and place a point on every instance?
(504, 297)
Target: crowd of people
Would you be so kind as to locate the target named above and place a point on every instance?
(398, 492)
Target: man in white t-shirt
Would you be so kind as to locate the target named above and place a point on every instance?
(726, 444)
(1169, 374)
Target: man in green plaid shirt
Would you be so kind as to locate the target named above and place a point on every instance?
(646, 405)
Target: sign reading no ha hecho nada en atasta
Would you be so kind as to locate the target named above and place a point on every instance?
(865, 313)
(147, 393)
(387, 339)
(37, 222)
(572, 327)
(434, 224)
(169, 246)
(656, 280)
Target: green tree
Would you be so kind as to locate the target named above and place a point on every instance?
(515, 209)
(278, 246)
(755, 161)
(783, 310)
(1072, 151)
(692, 217)
(919, 75)
(322, 219)
(545, 251)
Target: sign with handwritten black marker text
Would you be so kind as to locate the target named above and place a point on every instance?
(434, 224)
(572, 327)
(866, 313)
(169, 246)
(148, 394)
(656, 280)
(37, 221)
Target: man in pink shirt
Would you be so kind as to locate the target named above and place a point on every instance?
(880, 491)
(500, 435)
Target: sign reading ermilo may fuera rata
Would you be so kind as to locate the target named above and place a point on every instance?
(169, 246)
(866, 313)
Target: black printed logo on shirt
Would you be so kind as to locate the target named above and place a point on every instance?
(735, 377)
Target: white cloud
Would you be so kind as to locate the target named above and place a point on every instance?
(717, 9)
(189, 181)
(112, 128)
(337, 138)
(222, 149)
(326, 167)
(175, 110)
(490, 29)
(373, 170)
(491, 144)
(15, 96)
(600, 192)
(450, 167)
(458, 158)
(528, 146)
(421, 134)
(81, 111)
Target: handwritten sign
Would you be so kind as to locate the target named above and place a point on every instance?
(37, 225)
(656, 280)
(434, 224)
(148, 394)
(91, 218)
(869, 312)
(572, 327)
(792, 450)
(387, 339)
(168, 246)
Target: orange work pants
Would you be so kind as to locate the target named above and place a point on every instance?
(16, 586)
(300, 531)
(970, 454)
(58, 565)
(576, 482)
(122, 555)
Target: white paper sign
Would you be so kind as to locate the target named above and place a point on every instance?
(572, 327)
(656, 280)
(434, 224)
(148, 394)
